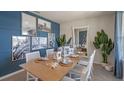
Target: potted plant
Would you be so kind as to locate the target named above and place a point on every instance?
(105, 44)
(61, 41)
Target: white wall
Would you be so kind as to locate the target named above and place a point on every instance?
(95, 24)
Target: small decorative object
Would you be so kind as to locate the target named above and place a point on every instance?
(54, 65)
(20, 46)
(58, 55)
(72, 51)
(39, 43)
(66, 62)
(28, 25)
(74, 55)
(66, 51)
(44, 25)
(51, 40)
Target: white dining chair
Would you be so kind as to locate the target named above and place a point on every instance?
(82, 73)
(30, 57)
(49, 52)
(66, 78)
(85, 61)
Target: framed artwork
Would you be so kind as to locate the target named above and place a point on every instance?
(82, 38)
(39, 43)
(20, 46)
(51, 40)
(44, 25)
(28, 25)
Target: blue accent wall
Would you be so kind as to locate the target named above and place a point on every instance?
(10, 25)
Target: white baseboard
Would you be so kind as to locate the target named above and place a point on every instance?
(11, 74)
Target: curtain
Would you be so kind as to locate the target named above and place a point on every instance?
(118, 72)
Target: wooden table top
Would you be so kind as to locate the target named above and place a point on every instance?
(44, 71)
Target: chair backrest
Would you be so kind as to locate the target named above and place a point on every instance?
(89, 68)
(49, 52)
(32, 56)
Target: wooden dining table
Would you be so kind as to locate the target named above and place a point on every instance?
(43, 70)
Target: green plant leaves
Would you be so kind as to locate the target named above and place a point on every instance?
(103, 38)
(104, 43)
(61, 41)
(69, 41)
(97, 46)
(58, 42)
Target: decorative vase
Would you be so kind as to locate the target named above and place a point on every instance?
(109, 68)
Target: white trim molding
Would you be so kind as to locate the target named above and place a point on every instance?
(73, 36)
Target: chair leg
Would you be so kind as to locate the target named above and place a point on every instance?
(91, 75)
(70, 75)
(27, 77)
(92, 72)
(31, 77)
(36, 79)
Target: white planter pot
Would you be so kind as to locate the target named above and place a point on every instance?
(109, 68)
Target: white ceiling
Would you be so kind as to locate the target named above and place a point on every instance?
(66, 16)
